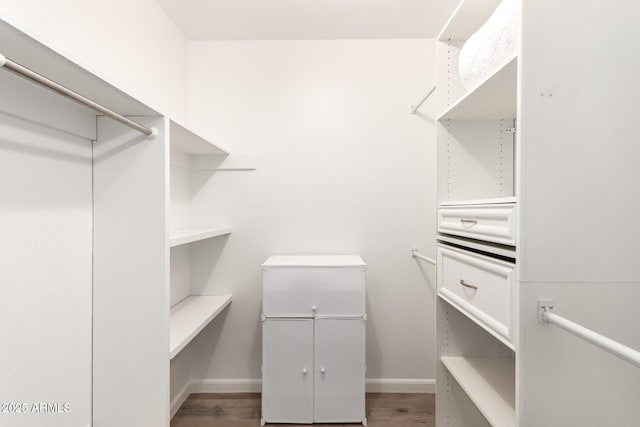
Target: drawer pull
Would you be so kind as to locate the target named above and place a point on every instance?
(467, 285)
(468, 222)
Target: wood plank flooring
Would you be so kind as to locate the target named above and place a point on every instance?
(243, 410)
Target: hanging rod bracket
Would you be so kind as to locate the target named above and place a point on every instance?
(544, 306)
(3, 60)
(153, 134)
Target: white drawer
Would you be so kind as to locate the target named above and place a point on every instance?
(481, 287)
(300, 291)
(492, 222)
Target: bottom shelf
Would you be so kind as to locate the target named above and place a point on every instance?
(489, 383)
(190, 316)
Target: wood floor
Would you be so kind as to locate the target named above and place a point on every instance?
(243, 410)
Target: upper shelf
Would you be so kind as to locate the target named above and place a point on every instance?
(489, 383)
(193, 234)
(190, 316)
(467, 18)
(29, 52)
(182, 139)
(493, 98)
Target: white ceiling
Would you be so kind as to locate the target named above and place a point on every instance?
(308, 19)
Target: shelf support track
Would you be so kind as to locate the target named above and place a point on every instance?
(547, 316)
(416, 254)
(414, 108)
(28, 74)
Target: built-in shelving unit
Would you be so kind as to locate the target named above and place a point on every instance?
(476, 170)
(489, 383)
(193, 234)
(521, 166)
(193, 304)
(190, 316)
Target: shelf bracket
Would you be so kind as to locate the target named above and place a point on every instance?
(544, 306)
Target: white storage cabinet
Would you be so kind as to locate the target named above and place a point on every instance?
(313, 339)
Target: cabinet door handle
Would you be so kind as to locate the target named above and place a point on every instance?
(322, 370)
(467, 221)
(467, 285)
(314, 308)
(304, 371)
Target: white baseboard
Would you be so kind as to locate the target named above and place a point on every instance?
(254, 385)
(226, 385)
(177, 402)
(400, 385)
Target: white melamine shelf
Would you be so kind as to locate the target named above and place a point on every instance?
(493, 98)
(190, 316)
(489, 383)
(182, 139)
(193, 234)
(492, 201)
(25, 49)
(467, 19)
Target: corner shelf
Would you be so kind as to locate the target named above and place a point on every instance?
(190, 316)
(193, 234)
(493, 98)
(489, 383)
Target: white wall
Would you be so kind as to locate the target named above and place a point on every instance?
(45, 262)
(130, 43)
(343, 167)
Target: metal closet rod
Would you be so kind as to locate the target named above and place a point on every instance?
(414, 108)
(26, 73)
(416, 254)
(546, 315)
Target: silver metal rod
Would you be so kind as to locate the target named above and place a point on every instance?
(414, 109)
(26, 73)
(607, 344)
(416, 254)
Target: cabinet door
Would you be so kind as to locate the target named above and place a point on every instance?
(287, 370)
(339, 370)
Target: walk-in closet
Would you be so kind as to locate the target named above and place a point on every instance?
(382, 213)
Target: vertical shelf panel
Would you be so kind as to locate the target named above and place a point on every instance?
(131, 295)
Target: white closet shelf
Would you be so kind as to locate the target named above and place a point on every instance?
(183, 236)
(467, 18)
(186, 141)
(493, 98)
(490, 384)
(24, 48)
(190, 316)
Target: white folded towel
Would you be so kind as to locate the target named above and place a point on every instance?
(491, 45)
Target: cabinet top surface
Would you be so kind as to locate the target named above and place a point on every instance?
(314, 261)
